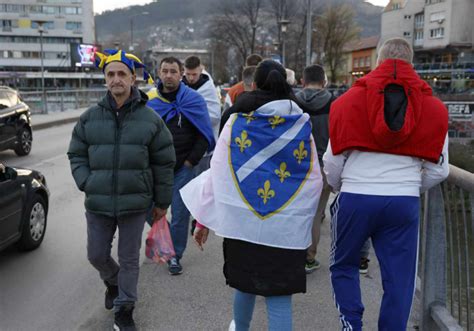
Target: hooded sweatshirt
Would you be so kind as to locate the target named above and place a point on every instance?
(388, 135)
(391, 110)
(316, 103)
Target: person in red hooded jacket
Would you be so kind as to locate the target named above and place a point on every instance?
(388, 144)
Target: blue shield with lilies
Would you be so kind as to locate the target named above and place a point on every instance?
(270, 159)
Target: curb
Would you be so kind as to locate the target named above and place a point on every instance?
(46, 125)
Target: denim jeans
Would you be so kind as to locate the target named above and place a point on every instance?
(100, 234)
(278, 310)
(179, 213)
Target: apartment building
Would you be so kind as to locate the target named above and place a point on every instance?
(26, 25)
(439, 30)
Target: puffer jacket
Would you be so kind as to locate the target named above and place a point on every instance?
(122, 159)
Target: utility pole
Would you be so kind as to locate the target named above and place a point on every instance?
(309, 32)
(43, 90)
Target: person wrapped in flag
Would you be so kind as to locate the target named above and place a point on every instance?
(261, 194)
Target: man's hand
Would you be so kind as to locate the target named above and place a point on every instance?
(158, 213)
(200, 237)
(2, 168)
(188, 164)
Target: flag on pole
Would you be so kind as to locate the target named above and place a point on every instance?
(264, 182)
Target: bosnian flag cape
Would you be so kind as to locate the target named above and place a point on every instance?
(264, 182)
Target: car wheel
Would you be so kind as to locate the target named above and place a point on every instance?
(25, 139)
(34, 224)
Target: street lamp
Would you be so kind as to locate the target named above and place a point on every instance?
(43, 91)
(284, 27)
(131, 27)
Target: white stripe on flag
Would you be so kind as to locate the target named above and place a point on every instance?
(258, 159)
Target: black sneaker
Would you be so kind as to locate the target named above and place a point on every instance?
(111, 293)
(364, 265)
(174, 267)
(124, 319)
(310, 266)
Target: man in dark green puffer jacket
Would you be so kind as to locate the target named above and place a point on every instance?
(122, 158)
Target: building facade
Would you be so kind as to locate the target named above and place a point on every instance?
(361, 58)
(442, 35)
(54, 25)
(439, 30)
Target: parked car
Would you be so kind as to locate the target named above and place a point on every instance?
(15, 122)
(24, 199)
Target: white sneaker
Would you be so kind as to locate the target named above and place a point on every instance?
(232, 326)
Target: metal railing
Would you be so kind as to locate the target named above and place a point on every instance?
(61, 100)
(447, 252)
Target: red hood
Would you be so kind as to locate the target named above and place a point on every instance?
(400, 73)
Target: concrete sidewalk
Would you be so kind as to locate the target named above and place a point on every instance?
(199, 299)
(44, 121)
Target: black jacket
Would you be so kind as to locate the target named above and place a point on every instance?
(188, 141)
(250, 101)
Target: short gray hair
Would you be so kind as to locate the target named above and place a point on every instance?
(396, 48)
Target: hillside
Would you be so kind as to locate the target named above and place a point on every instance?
(176, 14)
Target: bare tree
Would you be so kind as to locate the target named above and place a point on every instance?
(334, 29)
(236, 25)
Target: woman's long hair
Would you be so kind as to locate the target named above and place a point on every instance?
(271, 76)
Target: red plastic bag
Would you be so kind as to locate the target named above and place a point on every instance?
(159, 245)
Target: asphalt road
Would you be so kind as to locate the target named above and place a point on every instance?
(55, 288)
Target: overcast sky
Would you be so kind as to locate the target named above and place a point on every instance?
(100, 5)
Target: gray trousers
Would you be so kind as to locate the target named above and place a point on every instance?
(316, 229)
(100, 234)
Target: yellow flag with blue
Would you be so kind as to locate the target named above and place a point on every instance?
(264, 182)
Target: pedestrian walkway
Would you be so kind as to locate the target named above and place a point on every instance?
(199, 299)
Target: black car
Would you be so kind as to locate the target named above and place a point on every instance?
(24, 199)
(15, 122)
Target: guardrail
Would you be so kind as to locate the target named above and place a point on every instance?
(60, 100)
(447, 252)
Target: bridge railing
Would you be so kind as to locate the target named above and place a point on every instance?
(61, 100)
(447, 254)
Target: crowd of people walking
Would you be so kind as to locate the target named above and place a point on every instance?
(260, 175)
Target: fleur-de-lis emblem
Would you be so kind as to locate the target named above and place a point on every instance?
(242, 141)
(249, 117)
(282, 173)
(300, 153)
(266, 193)
(276, 120)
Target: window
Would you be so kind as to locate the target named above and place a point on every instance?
(71, 10)
(367, 61)
(419, 35)
(75, 26)
(35, 9)
(396, 6)
(47, 25)
(12, 8)
(52, 10)
(438, 16)
(419, 21)
(13, 98)
(7, 25)
(430, 2)
(6, 54)
(437, 33)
